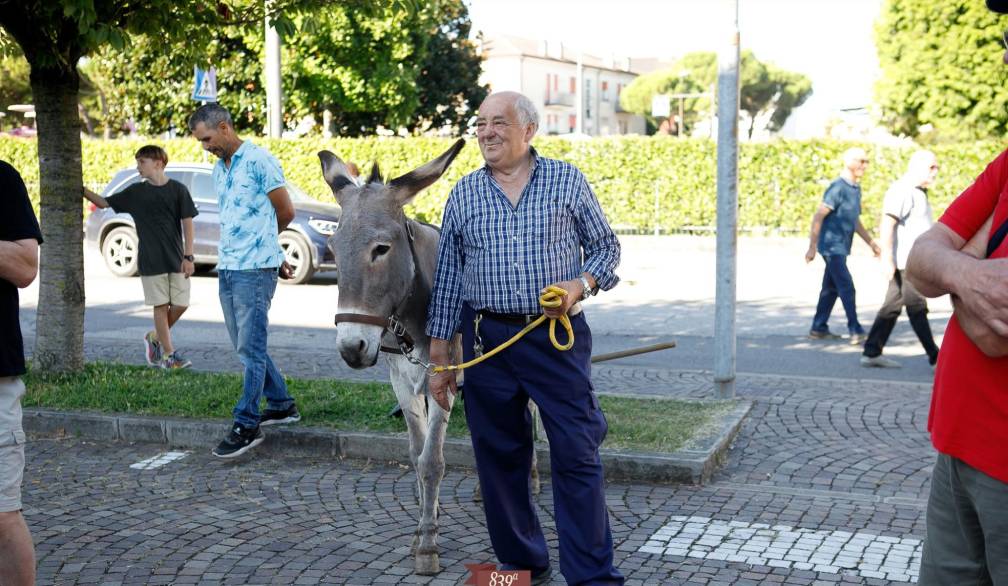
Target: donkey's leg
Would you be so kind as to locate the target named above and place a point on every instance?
(431, 470)
(403, 375)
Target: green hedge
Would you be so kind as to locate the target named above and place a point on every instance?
(779, 182)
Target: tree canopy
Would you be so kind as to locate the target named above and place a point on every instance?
(941, 66)
(399, 67)
(767, 94)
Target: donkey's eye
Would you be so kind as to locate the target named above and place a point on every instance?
(379, 250)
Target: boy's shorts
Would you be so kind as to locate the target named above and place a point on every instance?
(166, 288)
(12, 439)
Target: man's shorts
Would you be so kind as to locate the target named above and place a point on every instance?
(166, 288)
(12, 439)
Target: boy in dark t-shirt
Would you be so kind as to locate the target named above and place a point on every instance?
(159, 206)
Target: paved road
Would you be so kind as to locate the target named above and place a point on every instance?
(826, 483)
(667, 292)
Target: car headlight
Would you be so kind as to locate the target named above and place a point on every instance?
(326, 227)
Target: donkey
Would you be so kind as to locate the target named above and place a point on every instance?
(386, 265)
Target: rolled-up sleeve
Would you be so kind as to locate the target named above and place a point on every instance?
(601, 247)
(445, 308)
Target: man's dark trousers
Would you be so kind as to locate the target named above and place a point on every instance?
(496, 404)
(837, 282)
(899, 294)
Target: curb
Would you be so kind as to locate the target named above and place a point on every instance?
(693, 466)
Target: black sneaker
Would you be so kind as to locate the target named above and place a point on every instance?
(238, 441)
(278, 416)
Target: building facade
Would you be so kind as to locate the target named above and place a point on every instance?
(575, 93)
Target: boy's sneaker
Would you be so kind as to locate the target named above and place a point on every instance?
(152, 348)
(239, 440)
(278, 416)
(174, 360)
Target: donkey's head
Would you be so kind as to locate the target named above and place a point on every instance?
(372, 248)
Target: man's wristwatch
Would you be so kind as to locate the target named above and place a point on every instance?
(188, 257)
(587, 289)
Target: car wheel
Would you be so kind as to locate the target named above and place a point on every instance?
(298, 256)
(119, 249)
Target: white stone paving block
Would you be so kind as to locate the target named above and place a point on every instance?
(159, 460)
(852, 553)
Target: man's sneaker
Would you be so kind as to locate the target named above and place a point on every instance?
(879, 362)
(823, 335)
(239, 440)
(152, 348)
(278, 416)
(856, 339)
(174, 360)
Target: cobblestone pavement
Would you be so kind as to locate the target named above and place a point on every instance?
(825, 484)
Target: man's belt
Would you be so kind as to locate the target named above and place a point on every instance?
(521, 319)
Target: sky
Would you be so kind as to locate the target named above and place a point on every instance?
(830, 41)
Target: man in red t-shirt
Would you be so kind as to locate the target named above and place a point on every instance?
(967, 515)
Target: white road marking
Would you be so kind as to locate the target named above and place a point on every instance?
(834, 552)
(159, 460)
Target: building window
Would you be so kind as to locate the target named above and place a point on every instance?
(572, 122)
(556, 82)
(604, 92)
(573, 85)
(622, 127)
(587, 99)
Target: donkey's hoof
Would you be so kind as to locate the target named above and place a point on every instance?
(427, 564)
(536, 486)
(477, 493)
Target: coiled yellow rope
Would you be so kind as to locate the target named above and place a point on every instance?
(551, 296)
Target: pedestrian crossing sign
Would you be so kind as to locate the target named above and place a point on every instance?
(204, 84)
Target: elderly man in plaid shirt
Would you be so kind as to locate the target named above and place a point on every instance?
(521, 223)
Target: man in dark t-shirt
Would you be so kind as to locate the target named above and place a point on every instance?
(833, 226)
(159, 207)
(19, 241)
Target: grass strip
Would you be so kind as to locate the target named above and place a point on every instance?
(647, 425)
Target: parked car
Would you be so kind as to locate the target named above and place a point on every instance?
(303, 242)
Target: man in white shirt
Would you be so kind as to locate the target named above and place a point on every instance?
(906, 214)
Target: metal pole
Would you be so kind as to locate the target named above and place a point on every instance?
(579, 97)
(727, 214)
(274, 97)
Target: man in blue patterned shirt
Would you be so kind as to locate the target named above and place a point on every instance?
(254, 208)
(511, 228)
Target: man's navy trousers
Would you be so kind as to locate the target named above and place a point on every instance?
(497, 393)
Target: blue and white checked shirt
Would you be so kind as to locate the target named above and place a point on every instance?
(248, 238)
(497, 257)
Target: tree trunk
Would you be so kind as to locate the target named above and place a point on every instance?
(59, 328)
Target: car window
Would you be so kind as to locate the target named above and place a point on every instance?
(202, 188)
(180, 176)
(296, 194)
(121, 181)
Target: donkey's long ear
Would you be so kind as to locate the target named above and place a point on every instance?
(406, 187)
(335, 172)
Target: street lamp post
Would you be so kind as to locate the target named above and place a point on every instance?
(727, 214)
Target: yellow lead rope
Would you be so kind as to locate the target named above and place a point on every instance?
(551, 296)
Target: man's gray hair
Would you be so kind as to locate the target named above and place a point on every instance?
(526, 111)
(210, 115)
